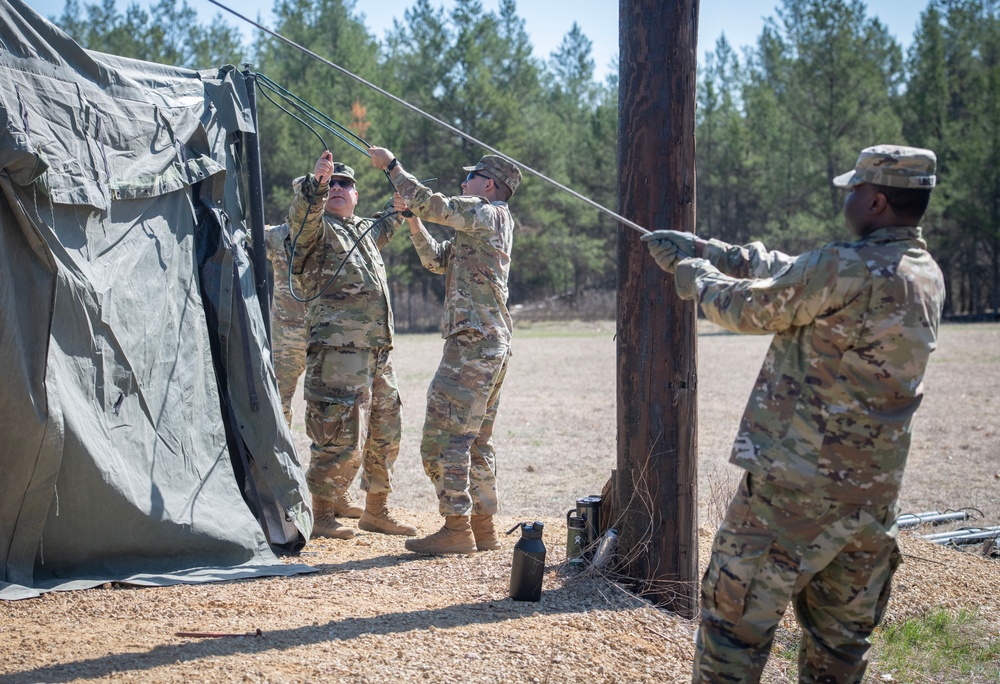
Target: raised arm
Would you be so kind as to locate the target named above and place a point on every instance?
(386, 229)
(433, 254)
(749, 261)
(808, 287)
(305, 216)
(469, 214)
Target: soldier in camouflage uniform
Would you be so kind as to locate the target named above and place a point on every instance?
(352, 398)
(288, 321)
(464, 396)
(826, 431)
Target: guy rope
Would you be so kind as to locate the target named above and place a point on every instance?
(430, 117)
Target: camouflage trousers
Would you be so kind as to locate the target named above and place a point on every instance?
(833, 561)
(462, 403)
(288, 345)
(352, 418)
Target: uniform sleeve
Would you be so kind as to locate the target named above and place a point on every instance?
(305, 220)
(271, 241)
(274, 240)
(746, 261)
(795, 296)
(433, 255)
(386, 227)
(472, 215)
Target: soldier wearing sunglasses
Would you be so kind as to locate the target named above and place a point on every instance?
(352, 397)
(464, 396)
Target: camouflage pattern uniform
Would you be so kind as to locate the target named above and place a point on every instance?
(352, 397)
(464, 396)
(824, 440)
(288, 324)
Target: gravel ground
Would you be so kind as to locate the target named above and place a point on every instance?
(373, 612)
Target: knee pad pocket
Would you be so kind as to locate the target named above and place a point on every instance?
(736, 560)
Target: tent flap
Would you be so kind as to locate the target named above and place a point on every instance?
(141, 433)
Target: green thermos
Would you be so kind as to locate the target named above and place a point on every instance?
(576, 537)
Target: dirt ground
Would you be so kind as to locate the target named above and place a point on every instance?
(373, 612)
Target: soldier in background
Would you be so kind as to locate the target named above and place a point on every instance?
(464, 396)
(288, 322)
(826, 432)
(352, 398)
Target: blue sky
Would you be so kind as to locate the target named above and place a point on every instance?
(547, 21)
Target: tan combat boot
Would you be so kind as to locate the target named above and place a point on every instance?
(344, 506)
(455, 537)
(325, 522)
(486, 536)
(377, 518)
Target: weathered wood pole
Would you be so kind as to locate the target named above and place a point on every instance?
(655, 485)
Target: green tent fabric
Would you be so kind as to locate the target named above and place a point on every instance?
(141, 434)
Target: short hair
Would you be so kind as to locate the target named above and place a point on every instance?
(908, 203)
(503, 192)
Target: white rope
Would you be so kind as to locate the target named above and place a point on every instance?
(574, 193)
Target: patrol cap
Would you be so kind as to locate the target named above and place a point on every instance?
(895, 166)
(342, 171)
(499, 169)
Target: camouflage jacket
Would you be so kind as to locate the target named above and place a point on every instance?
(286, 311)
(476, 260)
(854, 324)
(354, 310)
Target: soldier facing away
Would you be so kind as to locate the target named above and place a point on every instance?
(288, 321)
(352, 398)
(826, 432)
(464, 396)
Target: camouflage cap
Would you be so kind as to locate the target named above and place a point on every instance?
(341, 170)
(895, 166)
(499, 169)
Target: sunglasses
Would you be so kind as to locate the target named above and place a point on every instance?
(345, 183)
(473, 174)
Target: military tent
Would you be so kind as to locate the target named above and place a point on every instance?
(141, 435)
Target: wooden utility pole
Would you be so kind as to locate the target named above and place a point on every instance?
(654, 494)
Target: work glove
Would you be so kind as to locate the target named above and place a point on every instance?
(668, 247)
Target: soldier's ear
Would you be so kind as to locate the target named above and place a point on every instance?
(879, 203)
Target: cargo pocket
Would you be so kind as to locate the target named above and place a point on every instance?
(736, 559)
(449, 403)
(330, 423)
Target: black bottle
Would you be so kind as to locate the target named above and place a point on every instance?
(528, 566)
